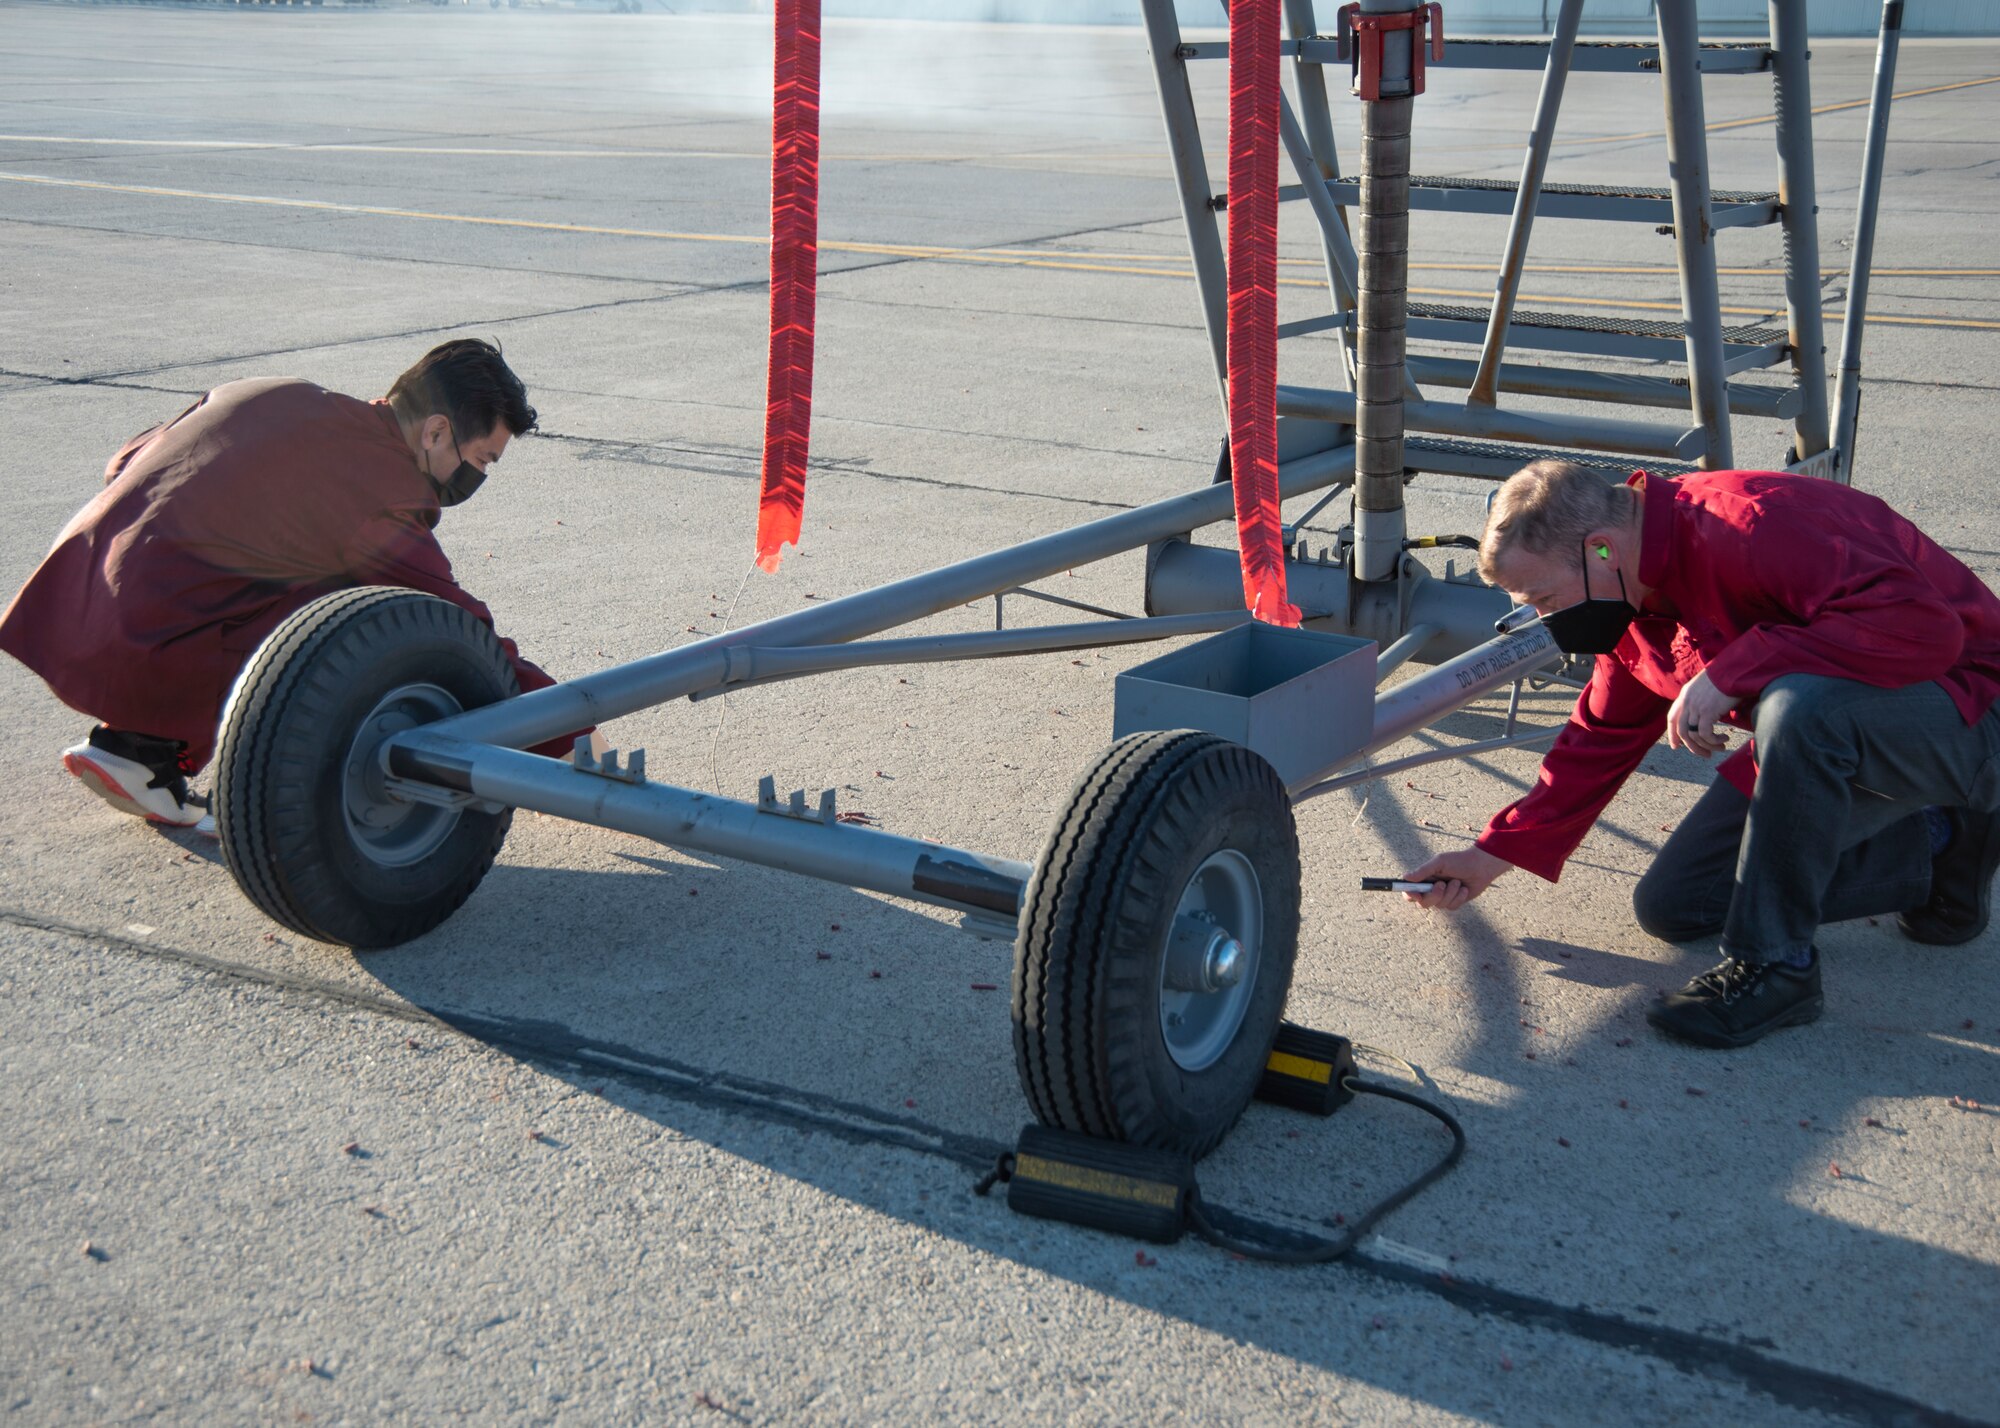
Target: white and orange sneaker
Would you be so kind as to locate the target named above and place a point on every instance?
(131, 787)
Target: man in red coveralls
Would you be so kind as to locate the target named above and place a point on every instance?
(216, 526)
(1862, 657)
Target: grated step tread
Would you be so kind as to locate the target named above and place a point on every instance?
(1748, 336)
(1417, 447)
(1582, 190)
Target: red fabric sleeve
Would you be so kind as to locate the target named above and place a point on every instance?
(1615, 721)
(1837, 601)
(781, 497)
(1254, 96)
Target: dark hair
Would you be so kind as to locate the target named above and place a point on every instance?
(466, 381)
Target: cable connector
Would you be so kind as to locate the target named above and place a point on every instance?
(1308, 1071)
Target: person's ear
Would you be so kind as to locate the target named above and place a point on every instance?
(434, 428)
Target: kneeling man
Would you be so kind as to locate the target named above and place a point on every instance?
(1863, 658)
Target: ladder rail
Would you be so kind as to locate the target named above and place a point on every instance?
(1694, 235)
(1798, 200)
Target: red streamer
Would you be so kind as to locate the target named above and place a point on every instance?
(1253, 306)
(794, 275)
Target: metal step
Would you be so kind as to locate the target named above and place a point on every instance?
(1613, 203)
(1743, 348)
(1497, 460)
(1603, 56)
(1585, 385)
(1589, 57)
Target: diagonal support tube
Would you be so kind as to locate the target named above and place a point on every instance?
(1694, 231)
(672, 674)
(1562, 44)
(1848, 395)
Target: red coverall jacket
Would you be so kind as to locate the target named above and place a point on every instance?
(1755, 575)
(210, 530)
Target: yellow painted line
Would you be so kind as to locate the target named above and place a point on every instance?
(1006, 257)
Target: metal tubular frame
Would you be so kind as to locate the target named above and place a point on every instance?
(1319, 165)
(1694, 236)
(1587, 433)
(471, 758)
(1798, 197)
(1163, 35)
(1562, 45)
(1848, 398)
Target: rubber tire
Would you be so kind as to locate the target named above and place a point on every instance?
(1093, 934)
(279, 800)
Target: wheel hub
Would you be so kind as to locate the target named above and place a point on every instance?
(1209, 972)
(392, 831)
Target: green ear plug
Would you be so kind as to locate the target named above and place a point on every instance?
(1604, 552)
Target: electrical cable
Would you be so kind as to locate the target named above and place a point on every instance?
(1325, 1251)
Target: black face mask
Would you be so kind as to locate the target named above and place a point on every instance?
(465, 478)
(1591, 626)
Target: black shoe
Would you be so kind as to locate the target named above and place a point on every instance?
(1736, 1003)
(1961, 898)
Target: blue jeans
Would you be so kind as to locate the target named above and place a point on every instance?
(1834, 829)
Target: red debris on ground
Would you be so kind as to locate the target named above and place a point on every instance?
(1833, 1170)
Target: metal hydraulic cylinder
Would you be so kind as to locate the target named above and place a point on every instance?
(1382, 242)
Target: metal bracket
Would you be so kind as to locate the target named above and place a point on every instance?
(633, 770)
(1359, 40)
(795, 805)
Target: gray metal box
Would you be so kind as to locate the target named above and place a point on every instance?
(1303, 699)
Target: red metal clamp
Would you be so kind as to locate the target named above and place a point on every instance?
(1360, 38)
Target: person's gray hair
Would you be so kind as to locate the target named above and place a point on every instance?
(1549, 505)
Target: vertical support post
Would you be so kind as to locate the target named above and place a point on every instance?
(1383, 310)
(1506, 283)
(1848, 406)
(1163, 34)
(1694, 235)
(1798, 198)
